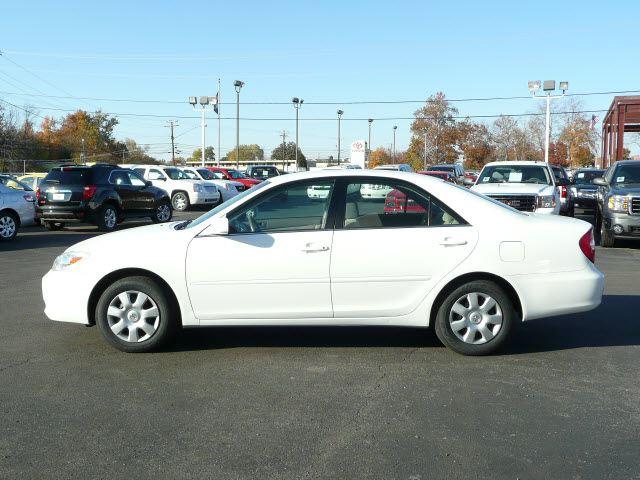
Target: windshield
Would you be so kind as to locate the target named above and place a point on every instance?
(443, 168)
(228, 203)
(235, 173)
(175, 174)
(586, 177)
(13, 183)
(263, 172)
(515, 174)
(191, 175)
(207, 174)
(626, 174)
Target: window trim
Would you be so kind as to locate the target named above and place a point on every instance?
(329, 224)
(341, 186)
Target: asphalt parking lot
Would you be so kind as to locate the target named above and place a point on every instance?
(563, 402)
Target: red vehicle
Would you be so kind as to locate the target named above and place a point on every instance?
(396, 202)
(441, 174)
(234, 175)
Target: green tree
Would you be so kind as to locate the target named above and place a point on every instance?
(251, 152)
(209, 154)
(289, 154)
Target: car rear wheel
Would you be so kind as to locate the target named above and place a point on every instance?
(162, 213)
(8, 226)
(180, 201)
(476, 318)
(134, 314)
(107, 218)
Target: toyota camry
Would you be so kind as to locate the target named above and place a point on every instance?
(468, 266)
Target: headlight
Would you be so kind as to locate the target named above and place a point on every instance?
(546, 201)
(618, 203)
(67, 259)
(574, 191)
(197, 187)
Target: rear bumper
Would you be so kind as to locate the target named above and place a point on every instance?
(67, 215)
(551, 294)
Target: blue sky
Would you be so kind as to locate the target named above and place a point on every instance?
(320, 51)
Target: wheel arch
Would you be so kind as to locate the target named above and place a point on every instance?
(470, 277)
(12, 212)
(116, 275)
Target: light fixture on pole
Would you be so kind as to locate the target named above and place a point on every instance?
(204, 101)
(395, 127)
(369, 144)
(340, 112)
(297, 104)
(238, 86)
(548, 86)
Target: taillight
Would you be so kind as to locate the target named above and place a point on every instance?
(89, 191)
(38, 193)
(588, 245)
(563, 191)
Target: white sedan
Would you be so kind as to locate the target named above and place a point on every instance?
(469, 266)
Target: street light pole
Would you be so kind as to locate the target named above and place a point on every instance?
(203, 135)
(369, 144)
(238, 86)
(548, 86)
(395, 127)
(340, 112)
(424, 161)
(297, 103)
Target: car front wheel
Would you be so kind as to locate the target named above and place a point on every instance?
(134, 315)
(8, 226)
(476, 318)
(180, 201)
(607, 240)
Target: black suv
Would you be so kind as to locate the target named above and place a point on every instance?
(102, 195)
(618, 199)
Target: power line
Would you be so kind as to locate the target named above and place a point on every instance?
(351, 102)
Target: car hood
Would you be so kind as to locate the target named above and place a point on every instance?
(626, 189)
(585, 186)
(125, 239)
(512, 188)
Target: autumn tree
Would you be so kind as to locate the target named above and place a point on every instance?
(475, 143)
(578, 135)
(379, 156)
(135, 153)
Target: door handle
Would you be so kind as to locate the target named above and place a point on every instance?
(452, 242)
(314, 247)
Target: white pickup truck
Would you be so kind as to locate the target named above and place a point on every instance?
(228, 189)
(183, 191)
(524, 185)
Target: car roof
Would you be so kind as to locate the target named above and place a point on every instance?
(347, 173)
(517, 162)
(627, 162)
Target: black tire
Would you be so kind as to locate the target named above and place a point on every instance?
(9, 225)
(180, 201)
(607, 239)
(220, 200)
(167, 319)
(484, 288)
(53, 226)
(160, 212)
(107, 217)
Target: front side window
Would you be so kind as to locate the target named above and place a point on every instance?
(155, 174)
(135, 179)
(390, 204)
(191, 175)
(207, 174)
(515, 174)
(296, 207)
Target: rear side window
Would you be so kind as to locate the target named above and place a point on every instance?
(70, 176)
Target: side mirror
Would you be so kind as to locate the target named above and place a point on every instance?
(468, 182)
(219, 226)
(147, 183)
(601, 182)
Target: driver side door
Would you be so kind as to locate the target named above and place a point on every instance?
(274, 263)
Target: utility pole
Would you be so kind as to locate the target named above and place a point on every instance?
(171, 125)
(284, 147)
(368, 151)
(395, 127)
(218, 153)
(424, 160)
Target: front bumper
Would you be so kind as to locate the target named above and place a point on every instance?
(629, 224)
(66, 296)
(204, 198)
(547, 294)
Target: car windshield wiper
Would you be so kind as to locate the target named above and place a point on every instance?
(182, 225)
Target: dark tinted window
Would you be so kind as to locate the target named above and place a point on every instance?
(586, 177)
(71, 176)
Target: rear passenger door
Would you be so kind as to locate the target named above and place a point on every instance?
(388, 254)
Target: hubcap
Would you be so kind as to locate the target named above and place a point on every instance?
(7, 227)
(133, 316)
(475, 318)
(179, 202)
(110, 218)
(163, 213)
